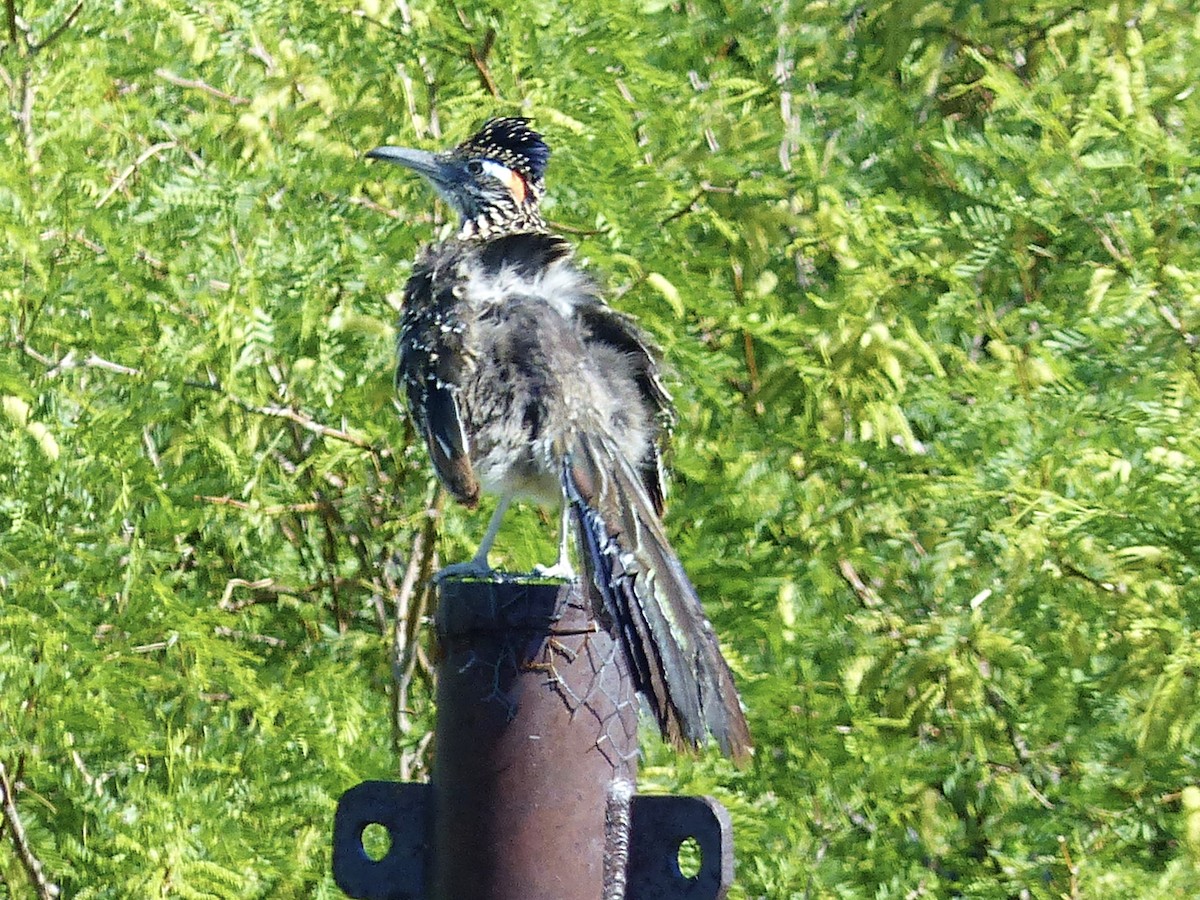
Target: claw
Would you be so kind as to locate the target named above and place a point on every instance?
(471, 569)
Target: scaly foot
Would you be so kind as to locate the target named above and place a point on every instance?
(475, 568)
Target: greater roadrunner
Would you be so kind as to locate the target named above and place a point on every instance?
(524, 383)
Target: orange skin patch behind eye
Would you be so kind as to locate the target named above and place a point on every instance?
(516, 184)
(509, 178)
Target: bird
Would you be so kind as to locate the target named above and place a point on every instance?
(524, 383)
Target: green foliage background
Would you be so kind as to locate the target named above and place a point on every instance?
(929, 277)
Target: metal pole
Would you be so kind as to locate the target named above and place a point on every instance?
(533, 782)
(536, 749)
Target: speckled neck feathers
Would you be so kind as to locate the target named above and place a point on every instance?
(512, 144)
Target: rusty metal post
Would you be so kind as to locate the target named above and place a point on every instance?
(536, 740)
(534, 765)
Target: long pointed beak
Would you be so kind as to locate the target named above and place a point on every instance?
(420, 161)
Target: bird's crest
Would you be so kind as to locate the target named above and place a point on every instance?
(512, 143)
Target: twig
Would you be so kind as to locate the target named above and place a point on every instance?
(1072, 868)
(44, 360)
(152, 450)
(57, 32)
(78, 237)
(259, 52)
(748, 345)
(1173, 320)
(227, 595)
(69, 361)
(410, 600)
(46, 890)
(128, 173)
(867, 594)
(435, 127)
(690, 206)
(571, 229)
(304, 420)
(370, 204)
(95, 782)
(785, 67)
(195, 84)
(479, 58)
(378, 23)
(235, 634)
(155, 646)
(96, 362)
(275, 510)
(267, 591)
(10, 10)
(25, 116)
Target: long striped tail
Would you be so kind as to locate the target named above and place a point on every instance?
(654, 609)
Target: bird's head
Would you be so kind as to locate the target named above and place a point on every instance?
(493, 179)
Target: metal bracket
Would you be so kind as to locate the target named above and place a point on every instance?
(403, 809)
(659, 827)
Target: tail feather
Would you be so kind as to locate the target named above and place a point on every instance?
(654, 608)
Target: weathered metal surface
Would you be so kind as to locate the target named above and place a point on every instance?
(536, 719)
(534, 765)
(659, 826)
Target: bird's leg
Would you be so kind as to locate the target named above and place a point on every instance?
(562, 567)
(478, 566)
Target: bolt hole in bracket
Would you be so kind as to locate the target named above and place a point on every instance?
(660, 827)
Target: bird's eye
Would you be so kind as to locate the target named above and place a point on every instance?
(475, 167)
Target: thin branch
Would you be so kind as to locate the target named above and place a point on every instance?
(152, 450)
(69, 361)
(1189, 339)
(370, 204)
(227, 595)
(378, 23)
(303, 419)
(43, 359)
(571, 229)
(195, 84)
(785, 67)
(479, 58)
(146, 154)
(57, 32)
(266, 591)
(867, 594)
(435, 127)
(690, 206)
(411, 599)
(95, 782)
(155, 646)
(227, 632)
(755, 384)
(10, 10)
(259, 52)
(25, 116)
(1072, 868)
(95, 362)
(78, 237)
(46, 890)
(276, 510)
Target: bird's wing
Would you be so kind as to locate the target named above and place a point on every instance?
(430, 371)
(604, 325)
